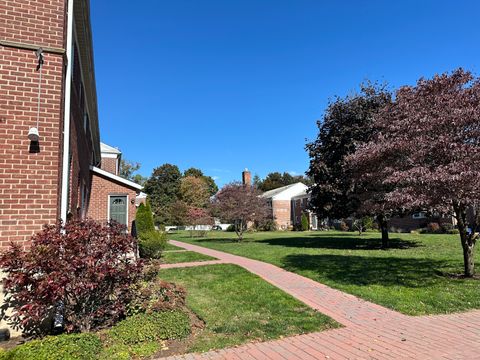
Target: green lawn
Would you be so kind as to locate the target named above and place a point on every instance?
(184, 256)
(169, 247)
(412, 277)
(238, 307)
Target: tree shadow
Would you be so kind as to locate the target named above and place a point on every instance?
(340, 242)
(363, 271)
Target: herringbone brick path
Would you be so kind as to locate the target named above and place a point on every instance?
(370, 331)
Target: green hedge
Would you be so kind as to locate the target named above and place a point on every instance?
(155, 326)
(61, 347)
(144, 219)
(151, 244)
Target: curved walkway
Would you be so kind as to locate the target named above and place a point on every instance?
(370, 331)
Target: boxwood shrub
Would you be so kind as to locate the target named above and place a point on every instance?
(62, 347)
(141, 328)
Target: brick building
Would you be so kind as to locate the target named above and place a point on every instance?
(300, 206)
(49, 179)
(280, 201)
(112, 197)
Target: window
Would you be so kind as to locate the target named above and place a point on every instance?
(419, 215)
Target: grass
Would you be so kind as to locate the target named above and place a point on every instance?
(238, 307)
(184, 256)
(169, 247)
(411, 277)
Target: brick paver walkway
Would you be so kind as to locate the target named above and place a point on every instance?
(370, 331)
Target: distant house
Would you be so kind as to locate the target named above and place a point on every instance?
(113, 197)
(300, 205)
(280, 202)
(418, 220)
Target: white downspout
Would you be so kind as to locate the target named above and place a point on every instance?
(66, 115)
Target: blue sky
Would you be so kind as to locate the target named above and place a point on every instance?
(226, 84)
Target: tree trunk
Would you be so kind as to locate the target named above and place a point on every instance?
(467, 238)
(383, 224)
(468, 259)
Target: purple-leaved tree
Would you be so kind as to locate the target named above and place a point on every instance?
(240, 204)
(427, 150)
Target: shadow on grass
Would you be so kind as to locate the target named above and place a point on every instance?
(360, 270)
(340, 242)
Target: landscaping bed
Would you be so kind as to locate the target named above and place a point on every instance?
(415, 276)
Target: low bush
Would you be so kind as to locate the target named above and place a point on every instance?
(152, 244)
(434, 228)
(305, 226)
(141, 328)
(267, 225)
(157, 295)
(83, 271)
(452, 231)
(63, 347)
(342, 226)
(231, 228)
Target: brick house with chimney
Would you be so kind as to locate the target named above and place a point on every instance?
(48, 176)
(112, 197)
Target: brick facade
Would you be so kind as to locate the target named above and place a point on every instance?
(30, 175)
(29, 192)
(282, 213)
(102, 187)
(110, 165)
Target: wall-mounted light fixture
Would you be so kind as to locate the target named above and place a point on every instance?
(33, 134)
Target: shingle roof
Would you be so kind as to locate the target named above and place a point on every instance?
(272, 193)
(104, 148)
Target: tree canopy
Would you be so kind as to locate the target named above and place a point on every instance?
(276, 180)
(427, 151)
(241, 204)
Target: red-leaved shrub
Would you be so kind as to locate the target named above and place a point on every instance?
(84, 268)
(433, 228)
(157, 295)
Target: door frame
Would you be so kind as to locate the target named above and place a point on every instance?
(108, 207)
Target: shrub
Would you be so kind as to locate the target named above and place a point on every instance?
(342, 226)
(447, 227)
(84, 266)
(231, 228)
(452, 231)
(305, 226)
(157, 295)
(152, 244)
(156, 326)
(433, 228)
(63, 347)
(144, 220)
(267, 225)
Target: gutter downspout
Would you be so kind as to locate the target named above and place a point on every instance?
(66, 116)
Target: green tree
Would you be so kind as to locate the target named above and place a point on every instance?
(128, 168)
(144, 219)
(304, 220)
(194, 172)
(348, 123)
(276, 180)
(194, 191)
(163, 188)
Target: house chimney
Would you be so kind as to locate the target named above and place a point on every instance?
(246, 177)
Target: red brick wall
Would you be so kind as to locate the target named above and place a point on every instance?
(101, 188)
(28, 181)
(110, 165)
(282, 213)
(39, 22)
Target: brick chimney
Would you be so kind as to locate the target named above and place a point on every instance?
(246, 177)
